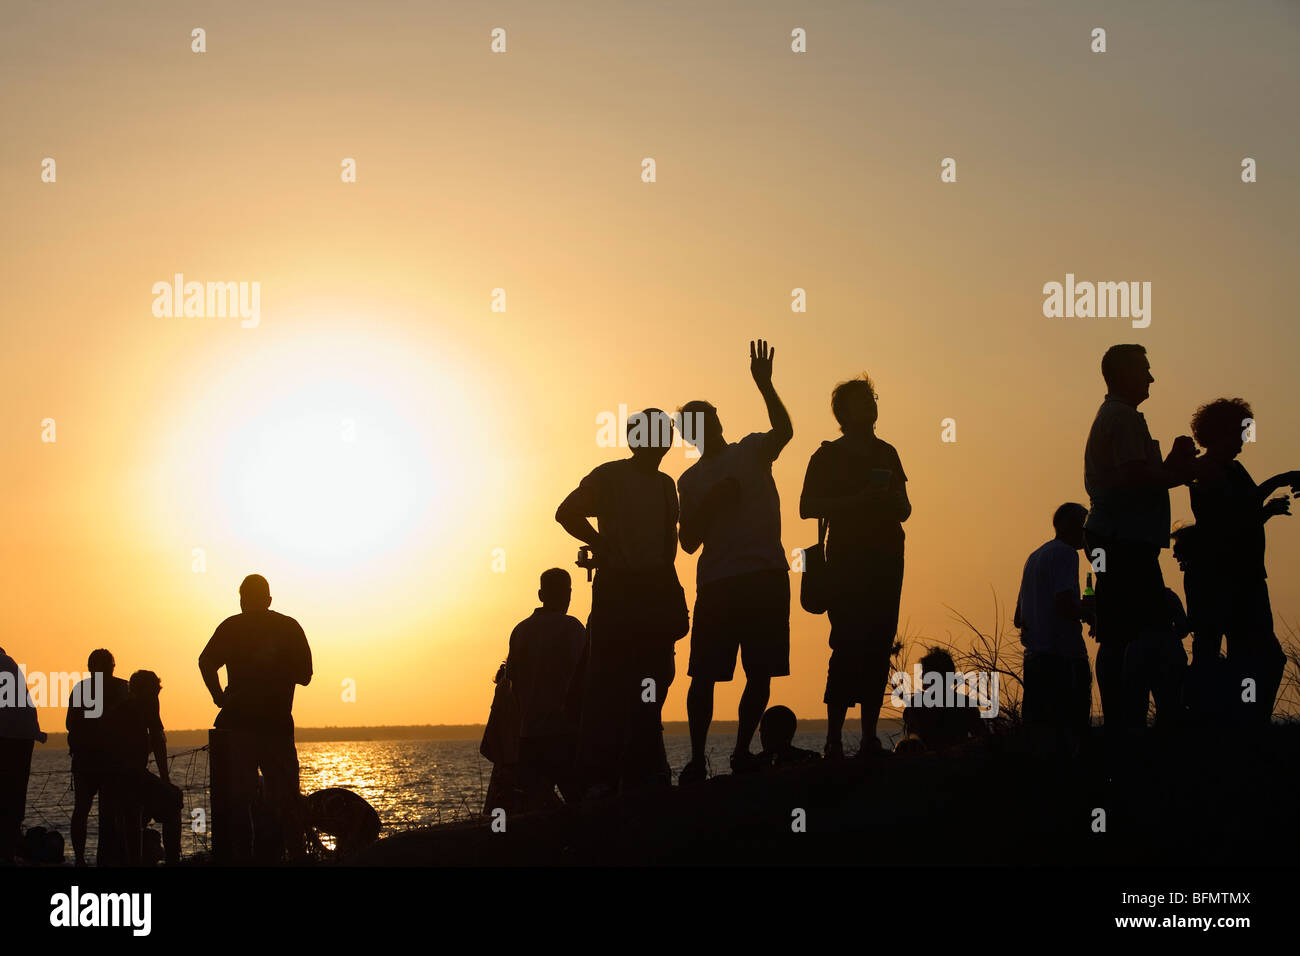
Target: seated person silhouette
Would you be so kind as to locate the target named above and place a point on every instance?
(135, 730)
(776, 735)
(940, 714)
(546, 651)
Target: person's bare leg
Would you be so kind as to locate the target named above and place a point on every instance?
(80, 822)
(835, 727)
(870, 718)
(699, 714)
(753, 701)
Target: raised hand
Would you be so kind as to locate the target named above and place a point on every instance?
(1277, 506)
(760, 362)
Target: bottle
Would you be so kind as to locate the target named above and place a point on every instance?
(1087, 587)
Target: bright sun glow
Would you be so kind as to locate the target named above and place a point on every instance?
(330, 461)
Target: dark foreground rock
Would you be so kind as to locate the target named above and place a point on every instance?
(1193, 800)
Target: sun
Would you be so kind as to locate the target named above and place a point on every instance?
(332, 473)
(324, 458)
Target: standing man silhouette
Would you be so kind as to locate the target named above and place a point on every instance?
(730, 506)
(266, 655)
(1050, 613)
(1128, 523)
(638, 610)
(91, 700)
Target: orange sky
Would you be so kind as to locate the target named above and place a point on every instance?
(522, 171)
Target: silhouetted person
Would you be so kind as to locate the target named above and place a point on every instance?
(1049, 612)
(546, 650)
(940, 713)
(91, 701)
(500, 744)
(1169, 665)
(135, 731)
(265, 654)
(776, 733)
(730, 505)
(856, 484)
(1230, 514)
(638, 610)
(1128, 523)
(19, 732)
(1206, 688)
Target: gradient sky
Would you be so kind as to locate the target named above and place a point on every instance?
(522, 171)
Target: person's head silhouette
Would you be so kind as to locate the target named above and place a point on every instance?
(101, 662)
(853, 404)
(776, 729)
(145, 685)
(1219, 427)
(556, 590)
(254, 593)
(649, 435)
(1127, 373)
(701, 426)
(1068, 522)
(938, 661)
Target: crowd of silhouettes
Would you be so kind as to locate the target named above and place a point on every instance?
(115, 725)
(579, 710)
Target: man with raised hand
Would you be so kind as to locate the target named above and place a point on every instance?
(731, 508)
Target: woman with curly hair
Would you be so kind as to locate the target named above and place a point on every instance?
(1230, 513)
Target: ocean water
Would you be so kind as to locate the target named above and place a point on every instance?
(410, 783)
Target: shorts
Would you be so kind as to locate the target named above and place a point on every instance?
(87, 782)
(1130, 592)
(749, 613)
(864, 622)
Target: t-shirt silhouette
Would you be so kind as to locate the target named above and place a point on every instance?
(1051, 569)
(870, 535)
(545, 649)
(747, 536)
(265, 654)
(1119, 436)
(1229, 523)
(133, 728)
(636, 514)
(88, 737)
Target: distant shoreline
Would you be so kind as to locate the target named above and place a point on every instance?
(180, 739)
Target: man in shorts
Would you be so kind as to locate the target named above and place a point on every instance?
(1127, 526)
(731, 507)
